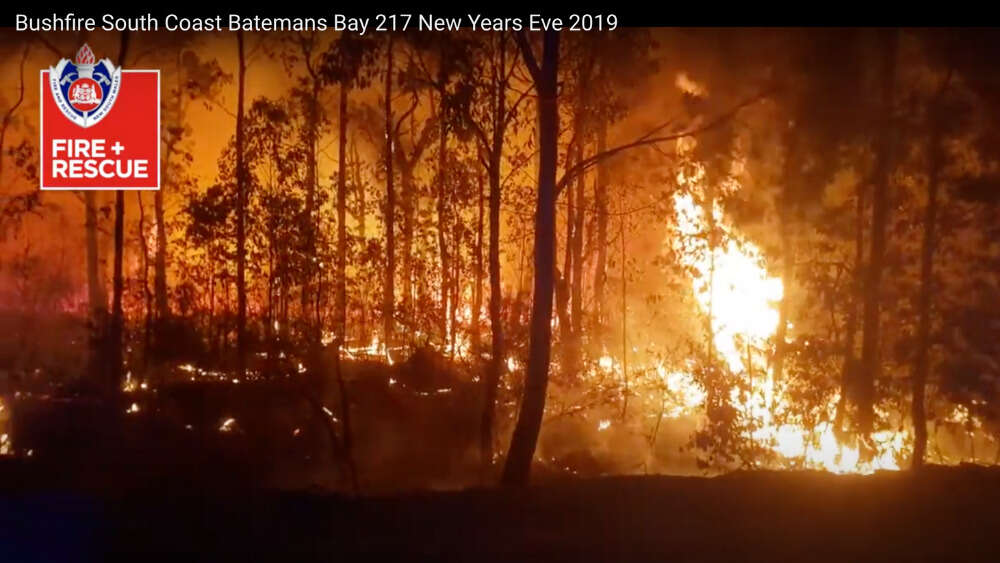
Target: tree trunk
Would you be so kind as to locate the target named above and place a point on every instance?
(870, 361)
(575, 242)
(161, 301)
(456, 286)
(922, 361)
(849, 365)
(622, 264)
(345, 411)
(310, 284)
(787, 257)
(496, 366)
(146, 293)
(341, 321)
(529, 421)
(209, 256)
(362, 232)
(160, 260)
(241, 203)
(406, 235)
(477, 288)
(96, 292)
(341, 299)
(446, 302)
(389, 296)
(563, 279)
(601, 203)
(575, 274)
(576, 284)
(116, 356)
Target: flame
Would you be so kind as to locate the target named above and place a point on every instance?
(461, 343)
(731, 285)
(85, 56)
(328, 337)
(734, 291)
(684, 393)
(684, 83)
(606, 362)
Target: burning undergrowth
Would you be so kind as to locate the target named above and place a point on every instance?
(414, 425)
(737, 282)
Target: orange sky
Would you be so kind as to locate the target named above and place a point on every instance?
(214, 126)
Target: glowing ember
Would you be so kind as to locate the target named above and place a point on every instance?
(512, 364)
(606, 362)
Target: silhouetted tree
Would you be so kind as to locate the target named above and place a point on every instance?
(389, 289)
(116, 356)
(483, 105)
(241, 212)
(529, 420)
(882, 184)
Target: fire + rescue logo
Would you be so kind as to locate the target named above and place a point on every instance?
(100, 126)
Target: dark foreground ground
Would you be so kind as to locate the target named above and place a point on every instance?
(940, 515)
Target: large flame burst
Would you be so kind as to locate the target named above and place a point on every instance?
(738, 297)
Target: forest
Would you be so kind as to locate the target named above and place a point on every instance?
(410, 261)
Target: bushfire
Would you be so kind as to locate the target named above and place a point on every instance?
(580, 254)
(739, 298)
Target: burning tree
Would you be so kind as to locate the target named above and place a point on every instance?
(641, 251)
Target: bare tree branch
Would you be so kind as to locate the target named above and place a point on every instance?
(528, 55)
(646, 139)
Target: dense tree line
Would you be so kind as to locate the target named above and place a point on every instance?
(490, 196)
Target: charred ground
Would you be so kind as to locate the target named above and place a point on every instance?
(938, 514)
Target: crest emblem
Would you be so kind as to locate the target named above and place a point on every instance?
(85, 89)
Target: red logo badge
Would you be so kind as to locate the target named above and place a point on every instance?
(100, 126)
